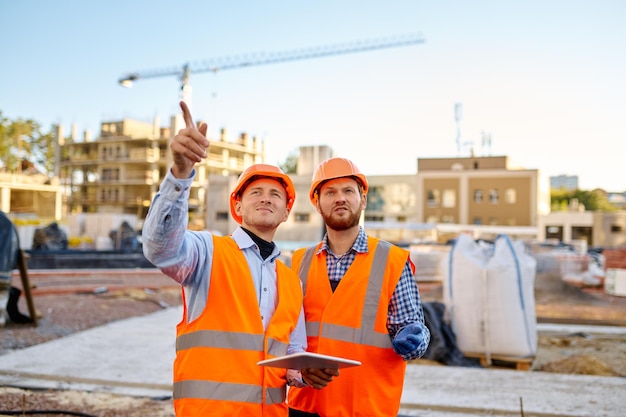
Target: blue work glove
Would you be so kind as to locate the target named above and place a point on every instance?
(412, 341)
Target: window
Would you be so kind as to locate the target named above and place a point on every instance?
(110, 174)
(221, 216)
(478, 196)
(493, 196)
(510, 195)
(373, 218)
(554, 232)
(432, 219)
(616, 228)
(375, 200)
(433, 198)
(477, 220)
(301, 217)
(447, 219)
(449, 199)
(108, 195)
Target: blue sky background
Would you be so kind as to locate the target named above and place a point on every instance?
(547, 79)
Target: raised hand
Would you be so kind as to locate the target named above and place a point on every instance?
(189, 145)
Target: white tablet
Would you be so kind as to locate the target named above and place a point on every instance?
(308, 360)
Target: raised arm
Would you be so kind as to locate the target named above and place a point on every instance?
(188, 146)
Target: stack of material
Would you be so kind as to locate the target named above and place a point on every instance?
(429, 260)
(615, 264)
(573, 266)
(615, 258)
(489, 294)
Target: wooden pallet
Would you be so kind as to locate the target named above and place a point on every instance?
(519, 363)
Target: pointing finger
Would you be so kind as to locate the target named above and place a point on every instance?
(187, 115)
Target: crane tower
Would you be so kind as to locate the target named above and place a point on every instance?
(232, 62)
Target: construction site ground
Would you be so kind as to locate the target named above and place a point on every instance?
(581, 351)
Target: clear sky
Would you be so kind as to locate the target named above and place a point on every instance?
(545, 78)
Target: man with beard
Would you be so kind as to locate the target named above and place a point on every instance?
(240, 303)
(361, 302)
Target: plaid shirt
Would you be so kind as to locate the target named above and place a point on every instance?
(405, 306)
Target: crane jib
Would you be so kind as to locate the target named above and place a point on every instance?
(248, 60)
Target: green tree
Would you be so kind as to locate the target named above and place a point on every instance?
(559, 199)
(22, 142)
(594, 200)
(44, 152)
(290, 166)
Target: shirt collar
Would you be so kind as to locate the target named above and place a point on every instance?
(244, 241)
(359, 245)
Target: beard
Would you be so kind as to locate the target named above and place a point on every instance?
(337, 223)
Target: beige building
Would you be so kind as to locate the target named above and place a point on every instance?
(120, 170)
(480, 191)
(32, 196)
(482, 195)
(593, 228)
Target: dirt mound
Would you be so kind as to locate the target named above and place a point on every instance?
(580, 365)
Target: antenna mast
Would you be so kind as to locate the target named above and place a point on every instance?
(458, 114)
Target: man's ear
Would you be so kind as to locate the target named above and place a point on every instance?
(286, 216)
(317, 206)
(238, 207)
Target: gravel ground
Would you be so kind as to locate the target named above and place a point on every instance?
(66, 313)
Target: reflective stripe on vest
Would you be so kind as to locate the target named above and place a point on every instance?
(230, 340)
(225, 391)
(364, 335)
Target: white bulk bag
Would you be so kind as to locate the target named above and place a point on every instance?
(489, 296)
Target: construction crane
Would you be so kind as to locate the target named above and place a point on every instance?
(232, 62)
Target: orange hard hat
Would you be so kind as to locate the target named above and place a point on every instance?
(335, 168)
(257, 171)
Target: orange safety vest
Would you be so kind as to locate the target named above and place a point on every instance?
(215, 370)
(351, 323)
